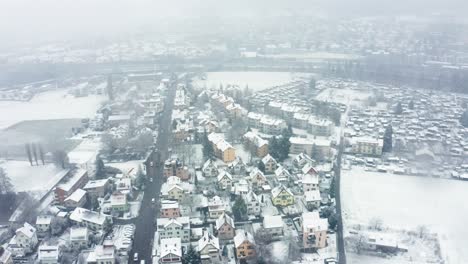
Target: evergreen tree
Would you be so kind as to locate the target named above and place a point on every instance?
(5, 182)
(464, 119)
(28, 152)
(208, 151)
(398, 109)
(100, 169)
(332, 190)
(239, 209)
(191, 256)
(388, 139)
(411, 105)
(261, 166)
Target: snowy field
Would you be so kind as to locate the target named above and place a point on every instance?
(49, 105)
(25, 177)
(255, 80)
(406, 202)
(343, 96)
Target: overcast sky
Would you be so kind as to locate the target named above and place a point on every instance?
(32, 19)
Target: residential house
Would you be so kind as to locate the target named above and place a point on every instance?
(172, 189)
(97, 188)
(105, 253)
(270, 164)
(319, 149)
(310, 182)
(257, 178)
(174, 167)
(119, 203)
(216, 207)
(253, 204)
(170, 209)
(91, 219)
(222, 149)
(124, 185)
(77, 180)
(43, 223)
(79, 237)
(273, 226)
(210, 169)
(282, 175)
(282, 196)
(237, 167)
(6, 257)
(312, 199)
(209, 249)
(48, 254)
(76, 199)
(314, 230)
(225, 227)
(174, 227)
(224, 180)
(170, 250)
(241, 187)
(245, 245)
(24, 241)
(301, 159)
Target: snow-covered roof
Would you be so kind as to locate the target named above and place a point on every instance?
(77, 176)
(224, 174)
(272, 221)
(170, 246)
(96, 184)
(209, 163)
(78, 233)
(243, 236)
(224, 218)
(268, 158)
(43, 220)
(278, 189)
(208, 239)
(312, 196)
(47, 253)
(76, 196)
(312, 220)
(81, 214)
(308, 169)
(27, 230)
(310, 179)
(169, 204)
(180, 221)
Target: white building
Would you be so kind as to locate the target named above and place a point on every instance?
(93, 220)
(79, 237)
(48, 254)
(209, 248)
(253, 204)
(273, 226)
(174, 227)
(43, 223)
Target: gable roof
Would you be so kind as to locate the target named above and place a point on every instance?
(208, 239)
(268, 158)
(309, 169)
(224, 219)
(243, 236)
(170, 246)
(278, 190)
(27, 230)
(224, 174)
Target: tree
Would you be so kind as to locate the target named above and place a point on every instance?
(333, 220)
(398, 109)
(239, 209)
(464, 118)
(100, 169)
(357, 242)
(332, 191)
(208, 151)
(411, 105)
(315, 153)
(41, 154)
(5, 183)
(58, 225)
(110, 88)
(60, 158)
(261, 166)
(34, 151)
(191, 256)
(312, 84)
(388, 139)
(28, 152)
(140, 179)
(107, 226)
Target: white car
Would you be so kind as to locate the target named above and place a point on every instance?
(153, 200)
(135, 257)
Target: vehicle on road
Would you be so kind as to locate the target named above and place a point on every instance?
(135, 257)
(153, 201)
(151, 179)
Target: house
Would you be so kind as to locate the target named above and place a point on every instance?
(241, 187)
(76, 199)
(170, 209)
(222, 149)
(216, 207)
(257, 178)
(320, 127)
(237, 167)
(270, 164)
(252, 203)
(282, 196)
(209, 249)
(118, 202)
(256, 144)
(273, 226)
(367, 146)
(310, 182)
(6, 257)
(174, 227)
(319, 149)
(172, 189)
(104, 254)
(225, 227)
(79, 237)
(97, 188)
(301, 159)
(174, 167)
(43, 223)
(312, 199)
(282, 175)
(77, 180)
(91, 219)
(170, 250)
(209, 168)
(314, 230)
(224, 180)
(48, 254)
(245, 245)
(24, 241)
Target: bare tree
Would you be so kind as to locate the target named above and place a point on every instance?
(34, 151)
(28, 152)
(357, 242)
(41, 153)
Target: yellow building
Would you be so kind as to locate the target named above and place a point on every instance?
(281, 196)
(222, 149)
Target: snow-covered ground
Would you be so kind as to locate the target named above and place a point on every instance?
(343, 96)
(406, 202)
(25, 177)
(255, 80)
(57, 104)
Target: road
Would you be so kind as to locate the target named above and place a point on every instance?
(145, 227)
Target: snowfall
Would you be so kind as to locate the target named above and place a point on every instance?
(405, 202)
(255, 80)
(56, 104)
